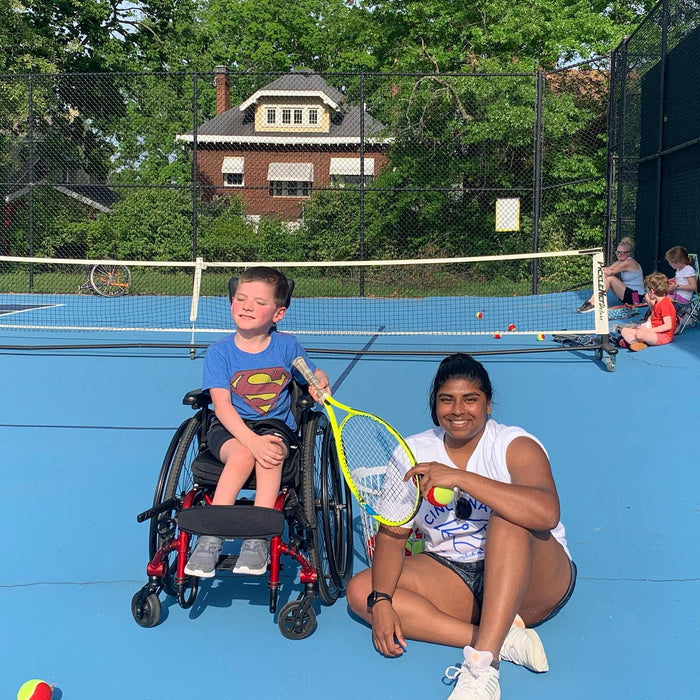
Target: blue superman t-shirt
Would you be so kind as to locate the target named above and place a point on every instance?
(258, 382)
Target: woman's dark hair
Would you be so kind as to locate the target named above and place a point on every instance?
(459, 366)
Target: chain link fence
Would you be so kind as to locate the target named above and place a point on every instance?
(655, 134)
(267, 167)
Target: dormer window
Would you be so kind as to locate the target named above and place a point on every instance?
(290, 116)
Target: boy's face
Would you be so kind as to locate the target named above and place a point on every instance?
(254, 307)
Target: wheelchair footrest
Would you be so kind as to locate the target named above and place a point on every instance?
(232, 522)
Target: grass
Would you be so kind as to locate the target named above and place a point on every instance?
(481, 279)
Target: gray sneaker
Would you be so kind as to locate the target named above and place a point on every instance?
(202, 561)
(585, 307)
(253, 558)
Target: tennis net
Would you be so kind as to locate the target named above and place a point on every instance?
(489, 296)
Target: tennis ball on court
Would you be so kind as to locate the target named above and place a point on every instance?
(511, 327)
(497, 336)
(439, 496)
(540, 336)
(35, 690)
(479, 314)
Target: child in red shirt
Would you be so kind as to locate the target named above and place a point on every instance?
(660, 327)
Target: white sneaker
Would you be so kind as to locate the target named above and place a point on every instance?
(523, 646)
(476, 678)
(253, 558)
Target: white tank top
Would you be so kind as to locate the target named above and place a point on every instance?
(464, 540)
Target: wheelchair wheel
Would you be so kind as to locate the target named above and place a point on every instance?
(297, 619)
(328, 506)
(146, 610)
(110, 280)
(174, 482)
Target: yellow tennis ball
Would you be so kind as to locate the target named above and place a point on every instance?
(479, 314)
(35, 690)
(439, 496)
(540, 336)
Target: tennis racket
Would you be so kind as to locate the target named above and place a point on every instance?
(373, 457)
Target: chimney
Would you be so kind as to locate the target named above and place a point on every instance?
(223, 89)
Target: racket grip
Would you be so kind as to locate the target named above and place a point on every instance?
(310, 377)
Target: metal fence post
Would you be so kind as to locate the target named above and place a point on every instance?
(537, 176)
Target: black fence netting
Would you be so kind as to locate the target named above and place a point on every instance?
(655, 134)
(301, 166)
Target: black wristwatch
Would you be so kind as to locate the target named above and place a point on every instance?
(374, 597)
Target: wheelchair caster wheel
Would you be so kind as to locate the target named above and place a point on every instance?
(146, 609)
(297, 620)
(598, 353)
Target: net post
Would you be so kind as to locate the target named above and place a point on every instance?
(600, 299)
(199, 266)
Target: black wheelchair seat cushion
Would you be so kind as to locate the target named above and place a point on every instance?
(233, 522)
(207, 468)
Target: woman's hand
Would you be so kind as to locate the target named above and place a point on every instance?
(434, 474)
(386, 630)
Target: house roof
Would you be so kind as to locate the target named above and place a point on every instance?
(296, 83)
(237, 125)
(99, 197)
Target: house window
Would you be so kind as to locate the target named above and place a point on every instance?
(313, 116)
(290, 179)
(271, 116)
(286, 116)
(233, 179)
(345, 172)
(232, 170)
(290, 188)
(298, 116)
(349, 180)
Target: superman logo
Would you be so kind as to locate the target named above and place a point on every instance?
(260, 388)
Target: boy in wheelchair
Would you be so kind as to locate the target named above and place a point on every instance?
(248, 375)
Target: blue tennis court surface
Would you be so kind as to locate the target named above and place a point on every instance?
(84, 435)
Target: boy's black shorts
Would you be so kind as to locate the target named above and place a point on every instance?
(218, 435)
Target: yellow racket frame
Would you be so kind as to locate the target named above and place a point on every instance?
(329, 402)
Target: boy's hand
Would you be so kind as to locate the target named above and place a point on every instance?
(268, 450)
(323, 381)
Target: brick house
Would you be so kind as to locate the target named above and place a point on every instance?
(289, 137)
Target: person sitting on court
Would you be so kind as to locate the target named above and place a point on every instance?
(660, 327)
(249, 375)
(684, 283)
(496, 561)
(624, 278)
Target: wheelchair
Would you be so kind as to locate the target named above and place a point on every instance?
(311, 522)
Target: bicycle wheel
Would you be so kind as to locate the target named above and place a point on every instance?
(110, 280)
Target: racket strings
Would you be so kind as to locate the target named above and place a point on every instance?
(377, 462)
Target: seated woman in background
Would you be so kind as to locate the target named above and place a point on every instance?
(624, 278)
(684, 283)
